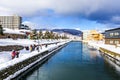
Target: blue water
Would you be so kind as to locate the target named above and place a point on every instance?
(74, 62)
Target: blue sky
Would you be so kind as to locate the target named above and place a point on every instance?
(73, 14)
(64, 22)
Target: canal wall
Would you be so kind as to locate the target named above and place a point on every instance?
(112, 56)
(8, 73)
(109, 53)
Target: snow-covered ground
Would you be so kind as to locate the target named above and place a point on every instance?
(6, 61)
(24, 42)
(5, 56)
(112, 48)
(101, 44)
(23, 56)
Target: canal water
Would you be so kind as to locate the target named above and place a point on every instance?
(76, 61)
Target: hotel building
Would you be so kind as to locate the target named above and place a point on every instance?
(11, 22)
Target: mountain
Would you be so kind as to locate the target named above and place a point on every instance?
(69, 31)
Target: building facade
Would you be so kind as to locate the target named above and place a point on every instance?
(112, 36)
(11, 22)
(92, 35)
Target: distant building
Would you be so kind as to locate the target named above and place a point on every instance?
(112, 36)
(11, 22)
(24, 27)
(92, 35)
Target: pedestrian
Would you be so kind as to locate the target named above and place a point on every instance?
(37, 48)
(17, 54)
(34, 46)
(13, 54)
(27, 48)
(46, 45)
(41, 46)
(31, 48)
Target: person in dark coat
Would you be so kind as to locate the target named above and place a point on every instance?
(17, 54)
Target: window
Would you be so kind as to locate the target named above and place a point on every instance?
(116, 34)
(116, 42)
(111, 34)
(111, 42)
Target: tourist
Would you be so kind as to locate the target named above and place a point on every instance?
(37, 48)
(31, 48)
(13, 54)
(41, 46)
(34, 46)
(46, 45)
(27, 48)
(17, 54)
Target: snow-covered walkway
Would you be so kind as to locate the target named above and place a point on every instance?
(97, 45)
(6, 61)
(5, 56)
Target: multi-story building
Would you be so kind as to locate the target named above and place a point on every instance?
(11, 22)
(92, 35)
(112, 36)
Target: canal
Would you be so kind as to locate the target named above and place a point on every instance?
(74, 62)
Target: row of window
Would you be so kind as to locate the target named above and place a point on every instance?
(115, 42)
(114, 34)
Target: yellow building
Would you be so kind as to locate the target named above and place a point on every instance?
(92, 35)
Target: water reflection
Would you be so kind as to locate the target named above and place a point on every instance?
(74, 62)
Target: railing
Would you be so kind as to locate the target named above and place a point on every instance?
(114, 57)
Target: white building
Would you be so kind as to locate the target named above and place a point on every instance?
(11, 22)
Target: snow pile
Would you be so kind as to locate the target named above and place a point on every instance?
(24, 56)
(26, 42)
(12, 31)
(4, 56)
(112, 48)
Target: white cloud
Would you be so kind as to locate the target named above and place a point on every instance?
(32, 7)
(30, 24)
(78, 28)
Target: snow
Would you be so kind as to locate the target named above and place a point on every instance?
(12, 31)
(24, 42)
(25, 55)
(25, 68)
(5, 57)
(97, 45)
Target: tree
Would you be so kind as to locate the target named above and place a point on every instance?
(34, 34)
(46, 36)
(1, 30)
(40, 34)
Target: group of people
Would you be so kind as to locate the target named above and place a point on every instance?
(31, 48)
(15, 54)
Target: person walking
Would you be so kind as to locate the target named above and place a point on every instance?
(17, 54)
(13, 54)
(31, 48)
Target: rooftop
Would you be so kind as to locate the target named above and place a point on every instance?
(112, 29)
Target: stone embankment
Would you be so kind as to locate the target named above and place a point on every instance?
(11, 47)
(18, 68)
(108, 51)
